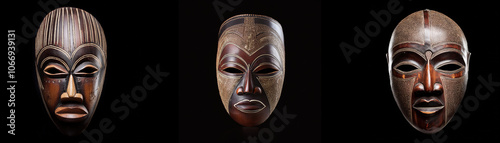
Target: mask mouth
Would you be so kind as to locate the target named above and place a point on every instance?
(249, 105)
(71, 112)
(428, 105)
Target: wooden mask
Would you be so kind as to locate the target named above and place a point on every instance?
(428, 63)
(250, 67)
(70, 60)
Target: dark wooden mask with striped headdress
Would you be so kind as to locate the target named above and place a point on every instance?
(70, 63)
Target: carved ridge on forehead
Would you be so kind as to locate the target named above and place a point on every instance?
(435, 48)
(409, 49)
(51, 47)
(57, 59)
(103, 53)
(86, 56)
(250, 51)
(273, 46)
(445, 50)
(253, 29)
(247, 66)
(253, 51)
(405, 42)
(250, 19)
(279, 60)
(237, 46)
(394, 49)
(427, 28)
(234, 31)
(233, 55)
(462, 50)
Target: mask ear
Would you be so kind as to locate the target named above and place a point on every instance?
(468, 62)
(388, 64)
(468, 57)
(387, 57)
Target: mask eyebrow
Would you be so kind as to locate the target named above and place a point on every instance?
(272, 60)
(49, 48)
(446, 50)
(447, 56)
(56, 59)
(77, 62)
(221, 61)
(88, 45)
(409, 49)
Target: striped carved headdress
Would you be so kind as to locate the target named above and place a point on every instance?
(69, 28)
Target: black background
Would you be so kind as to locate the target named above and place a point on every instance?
(333, 100)
(370, 111)
(138, 35)
(202, 116)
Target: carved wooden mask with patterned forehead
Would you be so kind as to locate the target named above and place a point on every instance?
(250, 67)
(428, 63)
(70, 60)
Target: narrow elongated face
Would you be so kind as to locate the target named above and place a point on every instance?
(70, 59)
(250, 67)
(428, 66)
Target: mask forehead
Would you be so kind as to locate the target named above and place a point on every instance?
(68, 28)
(430, 29)
(251, 33)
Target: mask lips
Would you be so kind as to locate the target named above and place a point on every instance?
(249, 105)
(428, 105)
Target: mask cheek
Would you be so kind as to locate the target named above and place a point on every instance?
(454, 90)
(227, 85)
(52, 91)
(88, 87)
(402, 92)
(272, 87)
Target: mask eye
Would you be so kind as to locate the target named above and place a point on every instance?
(55, 70)
(233, 70)
(87, 70)
(449, 68)
(406, 68)
(266, 71)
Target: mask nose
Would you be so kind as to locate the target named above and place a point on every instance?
(429, 82)
(429, 78)
(70, 94)
(249, 86)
